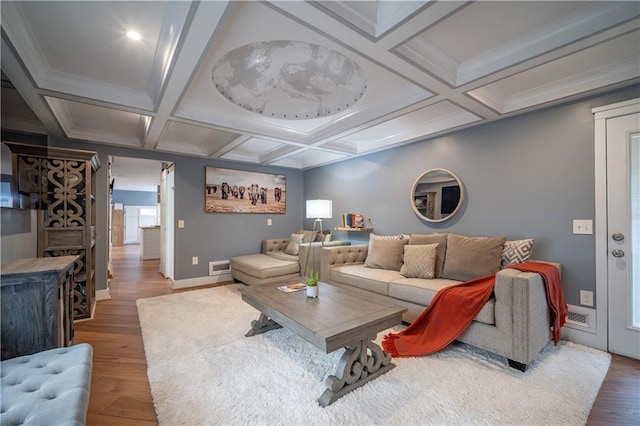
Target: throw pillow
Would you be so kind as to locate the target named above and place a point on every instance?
(440, 239)
(309, 236)
(385, 254)
(419, 261)
(518, 251)
(293, 248)
(472, 257)
(373, 236)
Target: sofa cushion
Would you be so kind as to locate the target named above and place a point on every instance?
(468, 258)
(385, 254)
(294, 242)
(440, 239)
(265, 265)
(514, 252)
(419, 261)
(422, 292)
(284, 256)
(359, 276)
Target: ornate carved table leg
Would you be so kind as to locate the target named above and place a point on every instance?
(262, 325)
(359, 364)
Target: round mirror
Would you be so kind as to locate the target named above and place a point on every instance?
(437, 195)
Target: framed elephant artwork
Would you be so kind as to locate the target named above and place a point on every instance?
(239, 191)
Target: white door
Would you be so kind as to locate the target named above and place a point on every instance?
(163, 221)
(131, 225)
(134, 218)
(166, 221)
(167, 226)
(623, 232)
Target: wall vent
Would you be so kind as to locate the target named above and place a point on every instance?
(576, 318)
(581, 318)
(219, 267)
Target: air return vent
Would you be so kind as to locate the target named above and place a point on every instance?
(581, 318)
(219, 267)
(576, 318)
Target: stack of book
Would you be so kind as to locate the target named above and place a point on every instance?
(352, 220)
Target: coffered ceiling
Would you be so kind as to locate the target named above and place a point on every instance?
(430, 66)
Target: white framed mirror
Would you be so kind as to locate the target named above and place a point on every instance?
(437, 195)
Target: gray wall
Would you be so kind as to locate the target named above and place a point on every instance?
(525, 176)
(19, 234)
(135, 198)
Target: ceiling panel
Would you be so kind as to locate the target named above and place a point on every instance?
(208, 139)
(606, 64)
(92, 122)
(409, 127)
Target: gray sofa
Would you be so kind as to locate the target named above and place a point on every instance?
(279, 260)
(514, 323)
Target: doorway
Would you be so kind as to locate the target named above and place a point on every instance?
(618, 219)
(142, 198)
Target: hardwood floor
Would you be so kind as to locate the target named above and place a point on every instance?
(120, 393)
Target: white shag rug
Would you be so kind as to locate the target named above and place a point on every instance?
(203, 371)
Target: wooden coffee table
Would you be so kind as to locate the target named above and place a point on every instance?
(336, 319)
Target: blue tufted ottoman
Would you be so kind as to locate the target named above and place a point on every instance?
(46, 388)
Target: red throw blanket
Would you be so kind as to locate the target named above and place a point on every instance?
(453, 308)
(555, 295)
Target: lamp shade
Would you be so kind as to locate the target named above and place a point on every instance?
(319, 209)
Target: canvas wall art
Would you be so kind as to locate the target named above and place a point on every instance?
(239, 191)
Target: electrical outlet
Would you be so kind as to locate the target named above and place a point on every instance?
(586, 298)
(194, 260)
(269, 222)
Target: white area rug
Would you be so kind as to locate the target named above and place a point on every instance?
(202, 370)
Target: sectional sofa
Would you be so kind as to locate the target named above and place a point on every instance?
(514, 323)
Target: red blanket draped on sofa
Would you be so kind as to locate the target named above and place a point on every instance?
(453, 308)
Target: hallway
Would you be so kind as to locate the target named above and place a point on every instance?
(120, 393)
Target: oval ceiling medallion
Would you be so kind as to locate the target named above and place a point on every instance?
(289, 79)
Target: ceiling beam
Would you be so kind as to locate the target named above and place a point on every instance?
(204, 19)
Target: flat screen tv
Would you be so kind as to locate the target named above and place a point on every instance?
(450, 199)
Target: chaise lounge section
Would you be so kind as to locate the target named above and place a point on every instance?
(514, 323)
(282, 258)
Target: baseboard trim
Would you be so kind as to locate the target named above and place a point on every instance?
(103, 295)
(200, 281)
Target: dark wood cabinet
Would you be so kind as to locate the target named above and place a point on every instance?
(60, 183)
(36, 298)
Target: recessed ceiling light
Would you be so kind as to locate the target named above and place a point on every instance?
(134, 35)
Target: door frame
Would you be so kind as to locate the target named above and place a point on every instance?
(602, 114)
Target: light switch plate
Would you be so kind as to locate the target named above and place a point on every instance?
(181, 224)
(582, 226)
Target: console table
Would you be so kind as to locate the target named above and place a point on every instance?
(37, 305)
